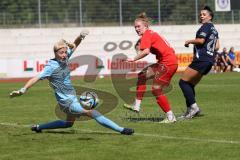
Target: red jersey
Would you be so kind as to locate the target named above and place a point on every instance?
(159, 46)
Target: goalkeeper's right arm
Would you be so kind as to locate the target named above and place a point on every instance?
(21, 91)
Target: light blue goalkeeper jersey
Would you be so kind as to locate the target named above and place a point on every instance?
(58, 75)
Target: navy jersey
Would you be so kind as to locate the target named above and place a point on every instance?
(205, 52)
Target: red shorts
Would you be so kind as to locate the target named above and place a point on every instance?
(163, 73)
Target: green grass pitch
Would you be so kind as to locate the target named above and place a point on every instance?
(213, 136)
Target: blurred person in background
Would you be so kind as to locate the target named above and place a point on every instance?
(224, 55)
(218, 64)
(231, 59)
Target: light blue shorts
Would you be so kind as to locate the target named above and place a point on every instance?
(72, 107)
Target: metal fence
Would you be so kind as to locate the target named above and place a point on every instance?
(73, 13)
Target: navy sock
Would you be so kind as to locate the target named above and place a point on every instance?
(188, 92)
(188, 105)
(187, 102)
(56, 124)
(193, 88)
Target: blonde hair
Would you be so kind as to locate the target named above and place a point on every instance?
(59, 45)
(143, 17)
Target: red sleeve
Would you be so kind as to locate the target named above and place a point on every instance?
(145, 40)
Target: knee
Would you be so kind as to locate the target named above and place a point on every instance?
(181, 83)
(184, 84)
(141, 80)
(156, 87)
(94, 113)
(157, 90)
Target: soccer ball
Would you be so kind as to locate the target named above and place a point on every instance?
(89, 100)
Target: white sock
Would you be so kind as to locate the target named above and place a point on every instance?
(194, 106)
(137, 104)
(170, 115)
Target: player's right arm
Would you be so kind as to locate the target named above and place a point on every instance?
(47, 71)
(31, 82)
(200, 37)
(28, 85)
(197, 41)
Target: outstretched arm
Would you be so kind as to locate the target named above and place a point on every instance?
(78, 40)
(28, 85)
(140, 54)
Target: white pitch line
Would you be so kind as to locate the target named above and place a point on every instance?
(189, 138)
(142, 134)
(14, 124)
(170, 137)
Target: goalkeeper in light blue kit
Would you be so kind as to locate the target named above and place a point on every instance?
(58, 74)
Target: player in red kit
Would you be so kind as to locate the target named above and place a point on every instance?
(161, 72)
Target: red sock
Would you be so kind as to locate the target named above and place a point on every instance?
(140, 91)
(163, 103)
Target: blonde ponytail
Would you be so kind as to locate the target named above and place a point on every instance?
(143, 17)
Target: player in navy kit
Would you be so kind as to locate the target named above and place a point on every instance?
(205, 44)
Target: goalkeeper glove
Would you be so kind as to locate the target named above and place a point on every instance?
(84, 33)
(18, 92)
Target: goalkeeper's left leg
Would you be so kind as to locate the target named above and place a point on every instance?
(77, 108)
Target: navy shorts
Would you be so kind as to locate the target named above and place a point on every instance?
(201, 66)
